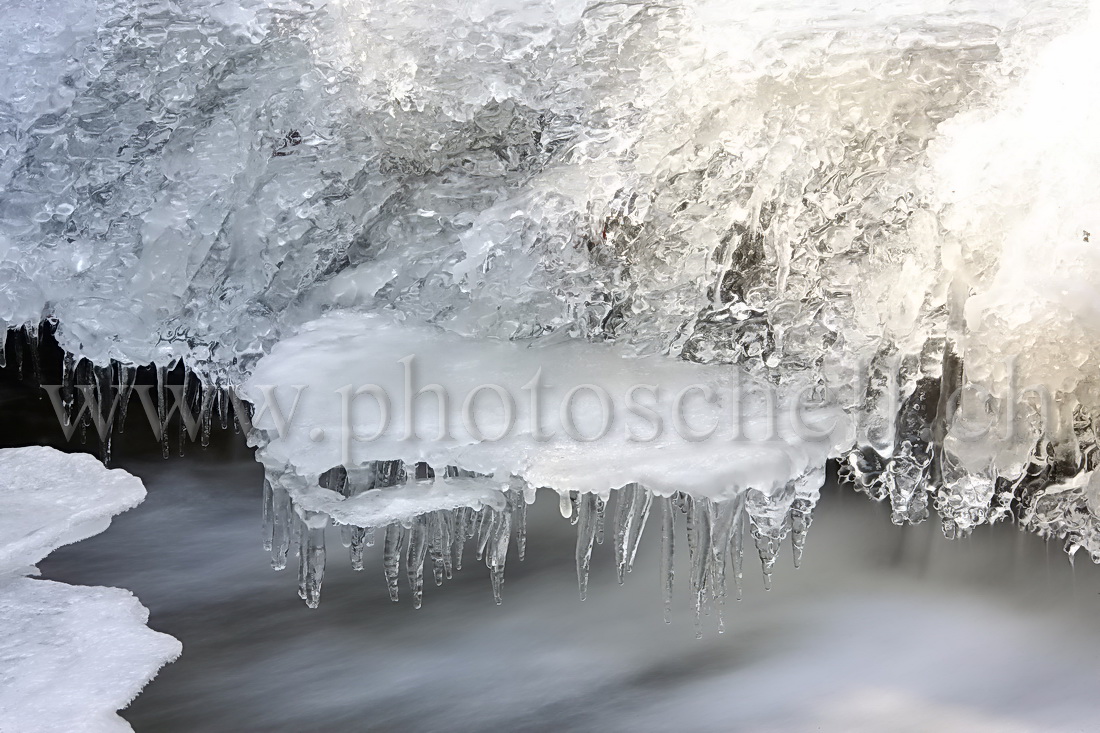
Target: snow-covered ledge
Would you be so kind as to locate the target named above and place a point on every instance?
(70, 656)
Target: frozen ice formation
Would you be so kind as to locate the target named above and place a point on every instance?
(70, 656)
(354, 442)
(888, 206)
(575, 416)
(52, 499)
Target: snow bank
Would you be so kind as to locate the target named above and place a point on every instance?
(70, 656)
(593, 441)
(73, 655)
(51, 499)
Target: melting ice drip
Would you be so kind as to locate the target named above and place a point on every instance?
(714, 531)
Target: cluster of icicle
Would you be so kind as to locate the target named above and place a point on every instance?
(714, 530)
(97, 396)
(906, 454)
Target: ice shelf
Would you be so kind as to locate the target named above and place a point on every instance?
(70, 656)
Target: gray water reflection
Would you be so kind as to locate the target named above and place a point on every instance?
(882, 629)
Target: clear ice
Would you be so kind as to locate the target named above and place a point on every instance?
(890, 206)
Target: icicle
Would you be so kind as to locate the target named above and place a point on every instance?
(312, 566)
(357, 545)
(269, 515)
(281, 515)
(484, 524)
(699, 545)
(737, 541)
(565, 505)
(3, 346)
(459, 540)
(725, 515)
(587, 515)
(414, 561)
(521, 524)
(184, 405)
(765, 534)
(223, 407)
(801, 516)
(498, 551)
(127, 375)
(667, 541)
(162, 407)
(102, 378)
(600, 506)
(206, 413)
(391, 553)
(436, 543)
(446, 542)
(631, 516)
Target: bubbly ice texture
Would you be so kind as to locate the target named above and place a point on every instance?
(841, 195)
(72, 656)
(51, 499)
(193, 180)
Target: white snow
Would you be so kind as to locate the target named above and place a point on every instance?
(70, 656)
(354, 349)
(51, 499)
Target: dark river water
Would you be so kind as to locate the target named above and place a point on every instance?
(883, 628)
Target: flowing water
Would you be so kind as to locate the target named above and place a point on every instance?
(882, 626)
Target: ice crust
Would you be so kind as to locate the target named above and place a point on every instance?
(73, 655)
(889, 204)
(353, 349)
(52, 499)
(430, 495)
(70, 656)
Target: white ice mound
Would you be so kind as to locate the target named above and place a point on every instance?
(70, 656)
(50, 499)
(73, 655)
(440, 439)
(573, 416)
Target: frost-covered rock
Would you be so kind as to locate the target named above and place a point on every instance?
(70, 656)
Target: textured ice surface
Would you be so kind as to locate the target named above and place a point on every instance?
(893, 204)
(69, 656)
(51, 499)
